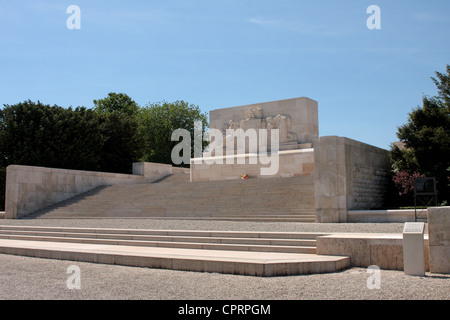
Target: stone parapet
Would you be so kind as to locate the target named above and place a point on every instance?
(366, 249)
(152, 170)
(29, 188)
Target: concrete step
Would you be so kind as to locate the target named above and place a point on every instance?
(223, 261)
(268, 219)
(175, 196)
(178, 217)
(241, 241)
(197, 233)
(235, 252)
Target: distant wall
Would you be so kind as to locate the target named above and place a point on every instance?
(348, 175)
(29, 188)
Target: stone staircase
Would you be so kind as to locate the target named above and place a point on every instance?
(175, 197)
(286, 242)
(236, 252)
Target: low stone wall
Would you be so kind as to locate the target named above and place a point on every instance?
(29, 188)
(291, 163)
(152, 170)
(366, 249)
(396, 216)
(348, 175)
(439, 233)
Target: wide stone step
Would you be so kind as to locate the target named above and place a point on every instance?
(185, 245)
(195, 233)
(223, 261)
(240, 241)
(237, 252)
(310, 218)
(160, 238)
(268, 218)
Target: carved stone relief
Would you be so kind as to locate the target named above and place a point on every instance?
(282, 122)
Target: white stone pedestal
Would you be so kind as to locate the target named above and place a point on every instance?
(413, 249)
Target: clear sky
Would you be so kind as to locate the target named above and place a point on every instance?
(225, 53)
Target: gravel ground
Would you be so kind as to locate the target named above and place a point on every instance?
(25, 278)
(211, 225)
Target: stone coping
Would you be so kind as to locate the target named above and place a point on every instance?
(266, 102)
(388, 215)
(72, 171)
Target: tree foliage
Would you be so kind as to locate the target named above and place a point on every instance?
(426, 136)
(117, 102)
(43, 135)
(159, 120)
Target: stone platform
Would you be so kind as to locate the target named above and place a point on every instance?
(244, 253)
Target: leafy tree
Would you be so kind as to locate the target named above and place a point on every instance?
(123, 143)
(426, 136)
(43, 135)
(117, 102)
(123, 139)
(159, 120)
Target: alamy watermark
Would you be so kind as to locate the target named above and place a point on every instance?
(74, 280)
(374, 21)
(374, 280)
(74, 20)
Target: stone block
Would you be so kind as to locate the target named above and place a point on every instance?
(439, 259)
(439, 239)
(344, 168)
(302, 111)
(382, 250)
(439, 226)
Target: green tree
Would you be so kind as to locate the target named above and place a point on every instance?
(123, 138)
(43, 135)
(159, 120)
(122, 145)
(117, 102)
(426, 136)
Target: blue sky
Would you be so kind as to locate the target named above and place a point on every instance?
(225, 53)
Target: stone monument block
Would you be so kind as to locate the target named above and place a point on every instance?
(439, 239)
(284, 130)
(296, 119)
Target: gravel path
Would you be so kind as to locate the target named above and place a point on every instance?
(24, 278)
(212, 225)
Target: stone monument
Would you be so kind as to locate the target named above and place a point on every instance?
(291, 125)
